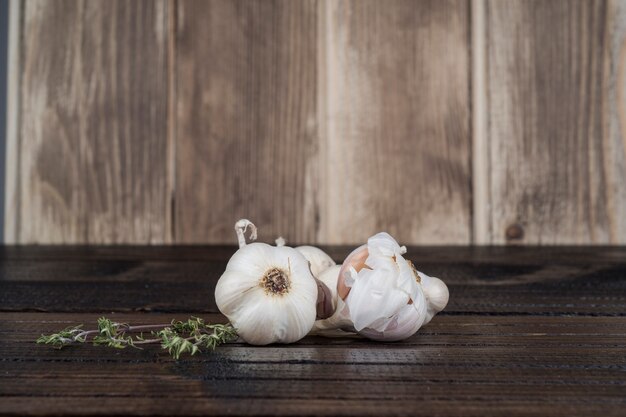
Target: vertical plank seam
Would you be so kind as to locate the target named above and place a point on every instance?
(322, 200)
(479, 142)
(619, 27)
(12, 202)
(4, 45)
(171, 174)
(609, 19)
(605, 128)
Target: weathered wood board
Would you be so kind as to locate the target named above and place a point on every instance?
(556, 139)
(246, 118)
(322, 121)
(528, 331)
(396, 142)
(90, 161)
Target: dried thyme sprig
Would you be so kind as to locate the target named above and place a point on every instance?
(178, 337)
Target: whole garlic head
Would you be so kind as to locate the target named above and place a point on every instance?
(268, 293)
(382, 295)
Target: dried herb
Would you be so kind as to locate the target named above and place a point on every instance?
(178, 337)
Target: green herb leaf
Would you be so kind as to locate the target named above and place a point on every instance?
(178, 338)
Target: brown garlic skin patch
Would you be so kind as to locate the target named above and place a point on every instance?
(415, 274)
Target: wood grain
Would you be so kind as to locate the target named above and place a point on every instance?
(482, 281)
(11, 175)
(322, 121)
(246, 119)
(557, 151)
(528, 331)
(164, 406)
(396, 121)
(91, 160)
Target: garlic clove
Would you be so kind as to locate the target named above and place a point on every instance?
(319, 260)
(382, 247)
(268, 293)
(356, 259)
(329, 278)
(406, 322)
(324, 305)
(437, 295)
(374, 298)
(340, 320)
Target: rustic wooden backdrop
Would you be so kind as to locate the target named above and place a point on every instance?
(442, 122)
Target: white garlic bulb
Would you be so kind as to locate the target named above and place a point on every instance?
(319, 260)
(381, 295)
(267, 292)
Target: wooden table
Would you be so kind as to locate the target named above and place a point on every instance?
(528, 331)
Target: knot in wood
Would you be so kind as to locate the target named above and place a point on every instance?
(514, 232)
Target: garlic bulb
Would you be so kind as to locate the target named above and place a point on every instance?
(319, 260)
(437, 295)
(267, 292)
(381, 295)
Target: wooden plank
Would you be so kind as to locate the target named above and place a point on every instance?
(494, 332)
(547, 339)
(366, 353)
(557, 146)
(529, 281)
(450, 367)
(264, 388)
(246, 119)
(396, 142)
(11, 178)
(510, 256)
(72, 370)
(91, 161)
(166, 406)
(135, 290)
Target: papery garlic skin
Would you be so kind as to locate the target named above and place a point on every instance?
(356, 259)
(340, 320)
(381, 295)
(319, 260)
(268, 293)
(386, 300)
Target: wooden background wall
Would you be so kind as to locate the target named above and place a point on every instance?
(442, 122)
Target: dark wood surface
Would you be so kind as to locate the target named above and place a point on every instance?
(528, 331)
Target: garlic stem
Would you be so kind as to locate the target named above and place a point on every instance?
(240, 228)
